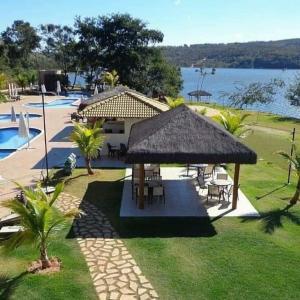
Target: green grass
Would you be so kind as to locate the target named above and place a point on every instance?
(226, 258)
(72, 282)
(187, 258)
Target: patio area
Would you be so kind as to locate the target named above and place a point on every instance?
(183, 198)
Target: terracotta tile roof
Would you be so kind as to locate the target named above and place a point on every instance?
(122, 102)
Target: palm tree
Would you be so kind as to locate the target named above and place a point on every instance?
(31, 77)
(111, 78)
(294, 160)
(233, 123)
(39, 220)
(174, 102)
(88, 139)
(22, 81)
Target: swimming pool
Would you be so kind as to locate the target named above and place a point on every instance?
(59, 103)
(10, 140)
(7, 117)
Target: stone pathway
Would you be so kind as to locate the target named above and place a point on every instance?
(114, 272)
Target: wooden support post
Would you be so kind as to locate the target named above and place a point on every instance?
(235, 186)
(141, 186)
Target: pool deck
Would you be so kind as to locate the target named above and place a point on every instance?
(25, 166)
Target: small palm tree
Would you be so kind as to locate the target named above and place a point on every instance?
(111, 78)
(233, 123)
(88, 139)
(39, 220)
(22, 81)
(295, 163)
(174, 102)
(31, 77)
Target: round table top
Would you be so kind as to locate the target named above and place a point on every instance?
(199, 165)
(221, 182)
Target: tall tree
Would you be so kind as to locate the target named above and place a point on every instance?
(89, 48)
(19, 41)
(293, 91)
(161, 78)
(59, 42)
(256, 92)
(117, 42)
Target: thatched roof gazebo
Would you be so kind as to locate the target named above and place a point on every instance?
(180, 135)
(198, 94)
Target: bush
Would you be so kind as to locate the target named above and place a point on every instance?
(2, 97)
(3, 81)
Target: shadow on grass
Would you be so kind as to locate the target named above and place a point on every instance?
(284, 119)
(60, 176)
(106, 196)
(274, 219)
(8, 285)
(271, 192)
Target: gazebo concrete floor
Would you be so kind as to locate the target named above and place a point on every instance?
(184, 198)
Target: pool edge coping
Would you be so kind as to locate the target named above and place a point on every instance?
(20, 148)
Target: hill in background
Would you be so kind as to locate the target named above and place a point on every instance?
(273, 54)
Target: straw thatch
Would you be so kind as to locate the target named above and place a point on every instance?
(183, 136)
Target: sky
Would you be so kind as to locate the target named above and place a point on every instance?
(181, 21)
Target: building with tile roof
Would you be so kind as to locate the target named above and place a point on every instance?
(120, 108)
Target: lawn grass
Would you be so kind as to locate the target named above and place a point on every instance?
(227, 258)
(194, 258)
(72, 282)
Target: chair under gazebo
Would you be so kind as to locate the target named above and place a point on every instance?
(182, 136)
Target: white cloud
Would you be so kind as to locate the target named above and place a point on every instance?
(177, 2)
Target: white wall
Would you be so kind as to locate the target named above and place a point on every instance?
(116, 138)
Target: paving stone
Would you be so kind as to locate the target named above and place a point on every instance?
(126, 271)
(141, 291)
(114, 272)
(137, 270)
(127, 297)
(133, 285)
(114, 296)
(153, 294)
(126, 291)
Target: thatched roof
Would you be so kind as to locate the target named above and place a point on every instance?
(122, 102)
(180, 135)
(199, 93)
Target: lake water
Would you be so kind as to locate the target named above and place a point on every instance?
(225, 80)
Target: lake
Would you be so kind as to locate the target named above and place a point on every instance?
(225, 80)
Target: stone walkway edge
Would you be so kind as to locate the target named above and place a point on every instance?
(114, 272)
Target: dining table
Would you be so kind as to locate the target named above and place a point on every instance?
(221, 183)
(199, 167)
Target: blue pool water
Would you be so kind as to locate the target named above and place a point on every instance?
(10, 140)
(7, 117)
(59, 103)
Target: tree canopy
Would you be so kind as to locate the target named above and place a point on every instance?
(255, 92)
(93, 46)
(18, 41)
(272, 54)
(293, 91)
